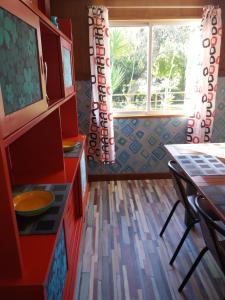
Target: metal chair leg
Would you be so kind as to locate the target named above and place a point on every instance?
(182, 241)
(169, 217)
(204, 250)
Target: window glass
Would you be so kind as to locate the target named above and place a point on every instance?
(148, 65)
(129, 67)
(170, 44)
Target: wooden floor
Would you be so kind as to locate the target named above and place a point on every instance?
(122, 255)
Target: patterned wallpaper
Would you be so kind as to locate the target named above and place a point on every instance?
(139, 140)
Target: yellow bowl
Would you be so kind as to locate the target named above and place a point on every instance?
(68, 145)
(67, 148)
(33, 202)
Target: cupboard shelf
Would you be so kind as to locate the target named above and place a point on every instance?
(65, 175)
(22, 130)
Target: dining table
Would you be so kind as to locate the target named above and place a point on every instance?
(204, 165)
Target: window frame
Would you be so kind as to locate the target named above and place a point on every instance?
(150, 23)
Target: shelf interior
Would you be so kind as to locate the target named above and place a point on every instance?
(38, 152)
(69, 120)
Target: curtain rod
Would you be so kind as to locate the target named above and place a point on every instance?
(152, 7)
(155, 6)
(212, 2)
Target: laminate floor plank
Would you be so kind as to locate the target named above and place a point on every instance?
(122, 256)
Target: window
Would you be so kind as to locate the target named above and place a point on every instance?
(148, 65)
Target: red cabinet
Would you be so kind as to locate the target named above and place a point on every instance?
(23, 89)
(31, 153)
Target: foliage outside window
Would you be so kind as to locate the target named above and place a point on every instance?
(148, 66)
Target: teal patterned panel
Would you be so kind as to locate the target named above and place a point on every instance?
(83, 173)
(19, 61)
(58, 271)
(67, 68)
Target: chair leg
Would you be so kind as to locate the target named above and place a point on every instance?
(204, 250)
(169, 217)
(182, 241)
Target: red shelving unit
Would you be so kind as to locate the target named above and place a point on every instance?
(31, 153)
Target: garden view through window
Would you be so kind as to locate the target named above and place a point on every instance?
(148, 66)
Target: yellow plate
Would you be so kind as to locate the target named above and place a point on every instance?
(67, 148)
(68, 145)
(33, 202)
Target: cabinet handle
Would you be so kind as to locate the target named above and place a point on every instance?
(45, 66)
(41, 64)
(46, 71)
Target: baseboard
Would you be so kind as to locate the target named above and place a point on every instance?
(130, 176)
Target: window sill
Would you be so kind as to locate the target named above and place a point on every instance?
(153, 114)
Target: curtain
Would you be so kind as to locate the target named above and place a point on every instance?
(101, 146)
(203, 77)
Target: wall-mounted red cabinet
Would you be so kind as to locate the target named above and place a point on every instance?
(22, 94)
(35, 264)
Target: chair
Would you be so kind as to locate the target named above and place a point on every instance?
(212, 231)
(181, 184)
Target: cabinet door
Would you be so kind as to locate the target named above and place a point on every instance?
(68, 72)
(22, 83)
(58, 271)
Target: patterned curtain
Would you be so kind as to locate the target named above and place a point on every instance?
(205, 75)
(101, 146)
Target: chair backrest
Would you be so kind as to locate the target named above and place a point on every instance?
(181, 184)
(212, 231)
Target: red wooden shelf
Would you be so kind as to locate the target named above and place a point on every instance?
(19, 132)
(31, 153)
(37, 262)
(65, 175)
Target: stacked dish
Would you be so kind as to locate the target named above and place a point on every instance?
(32, 203)
(68, 145)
